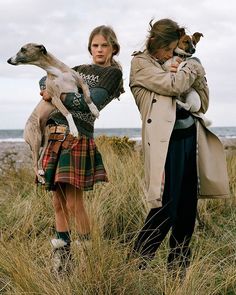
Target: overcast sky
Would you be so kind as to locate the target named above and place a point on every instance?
(63, 26)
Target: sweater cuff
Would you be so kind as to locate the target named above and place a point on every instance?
(99, 97)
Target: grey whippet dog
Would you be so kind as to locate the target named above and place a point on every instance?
(60, 79)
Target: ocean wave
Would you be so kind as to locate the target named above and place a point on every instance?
(12, 140)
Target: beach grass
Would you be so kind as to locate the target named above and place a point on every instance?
(117, 211)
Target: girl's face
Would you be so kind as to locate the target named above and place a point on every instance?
(166, 52)
(101, 51)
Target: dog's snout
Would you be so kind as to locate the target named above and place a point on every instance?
(12, 61)
(192, 50)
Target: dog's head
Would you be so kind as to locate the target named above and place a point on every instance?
(28, 54)
(187, 44)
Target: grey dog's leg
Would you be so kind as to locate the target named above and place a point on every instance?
(54, 90)
(93, 108)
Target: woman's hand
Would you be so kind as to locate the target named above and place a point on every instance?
(45, 95)
(175, 64)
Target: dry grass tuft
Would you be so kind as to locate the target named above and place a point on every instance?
(117, 212)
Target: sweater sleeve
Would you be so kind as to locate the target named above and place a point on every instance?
(76, 101)
(110, 80)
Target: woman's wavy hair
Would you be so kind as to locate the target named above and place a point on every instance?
(162, 33)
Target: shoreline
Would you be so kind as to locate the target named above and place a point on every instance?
(20, 154)
(15, 154)
(229, 145)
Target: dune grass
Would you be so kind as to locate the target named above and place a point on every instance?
(117, 212)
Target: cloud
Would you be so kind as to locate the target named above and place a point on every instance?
(64, 26)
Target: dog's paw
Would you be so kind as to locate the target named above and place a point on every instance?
(194, 109)
(74, 131)
(75, 134)
(94, 110)
(40, 176)
(41, 180)
(183, 105)
(72, 127)
(41, 172)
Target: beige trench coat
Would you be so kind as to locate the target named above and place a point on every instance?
(154, 91)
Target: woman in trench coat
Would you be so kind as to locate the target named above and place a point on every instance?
(183, 159)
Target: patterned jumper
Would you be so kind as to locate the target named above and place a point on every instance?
(77, 161)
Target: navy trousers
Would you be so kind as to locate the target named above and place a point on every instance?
(179, 205)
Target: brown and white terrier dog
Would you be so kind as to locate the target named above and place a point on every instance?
(187, 44)
(186, 48)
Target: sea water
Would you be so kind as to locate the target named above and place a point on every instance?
(16, 135)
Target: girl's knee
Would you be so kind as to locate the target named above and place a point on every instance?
(70, 206)
(58, 204)
(74, 205)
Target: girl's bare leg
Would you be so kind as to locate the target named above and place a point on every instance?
(60, 209)
(75, 207)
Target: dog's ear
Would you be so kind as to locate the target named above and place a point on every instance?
(196, 37)
(181, 32)
(42, 49)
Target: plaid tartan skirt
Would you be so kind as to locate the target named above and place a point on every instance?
(75, 161)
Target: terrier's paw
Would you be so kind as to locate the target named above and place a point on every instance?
(194, 109)
(184, 105)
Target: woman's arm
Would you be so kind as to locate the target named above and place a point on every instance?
(200, 85)
(147, 73)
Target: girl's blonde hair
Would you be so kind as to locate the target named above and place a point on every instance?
(108, 33)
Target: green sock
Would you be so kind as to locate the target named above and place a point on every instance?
(65, 236)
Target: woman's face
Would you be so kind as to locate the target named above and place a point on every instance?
(101, 51)
(166, 53)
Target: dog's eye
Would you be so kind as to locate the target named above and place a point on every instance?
(23, 50)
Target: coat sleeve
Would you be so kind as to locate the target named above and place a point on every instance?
(150, 75)
(200, 85)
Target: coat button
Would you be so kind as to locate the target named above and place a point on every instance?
(154, 100)
(149, 120)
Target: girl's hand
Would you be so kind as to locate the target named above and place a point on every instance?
(45, 95)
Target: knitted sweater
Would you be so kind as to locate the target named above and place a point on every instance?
(104, 84)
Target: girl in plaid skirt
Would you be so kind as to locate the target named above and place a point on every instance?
(73, 165)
